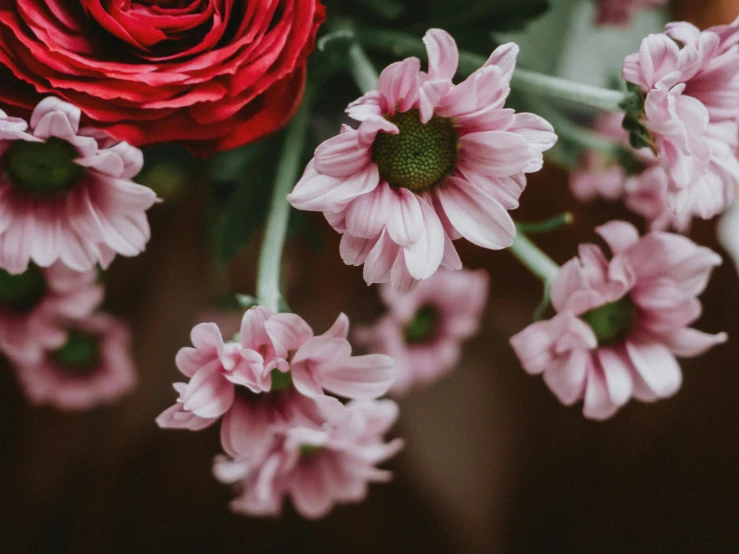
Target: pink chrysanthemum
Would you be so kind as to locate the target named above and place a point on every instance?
(66, 193)
(621, 323)
(620, 12)
(35, 306)
(691, 110)
(270, 347)
(93, 367)
(712, 78)
(423, 330)
(430, 162)
(317, 468)
(634, 176)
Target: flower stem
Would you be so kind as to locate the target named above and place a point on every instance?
(401, 44)
(547, 225)
(569, 91)
(576, 134)
(536, 261)
(364, 73)
(270, 257)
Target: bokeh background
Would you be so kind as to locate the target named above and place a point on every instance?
(493, 463)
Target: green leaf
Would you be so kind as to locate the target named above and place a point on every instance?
(386, 9)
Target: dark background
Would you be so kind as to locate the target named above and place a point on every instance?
(493, 462)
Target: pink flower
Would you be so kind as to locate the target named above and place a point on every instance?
(35, 307)
(67, 193)
(600, 176)
(620, 12)
(424, 330)
(249, 427)
(621, 323)
(316, 468)
(647, 195)
(92, 367)
(430, 162)
(714, 77)
(691, 110)
(634, 176)
(270, 345)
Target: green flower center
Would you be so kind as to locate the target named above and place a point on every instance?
(80, 355)
(423, 326)
(421, 155)
(21, 293)
(43, 168)
(309, 450)
(280, 380)
(611, 321)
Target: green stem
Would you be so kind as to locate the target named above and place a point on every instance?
(270, 257)
(402, 45)
(574, 133)
(536, 261)
(569, 91)
(546, 299)
(363, 71)
(547, 225)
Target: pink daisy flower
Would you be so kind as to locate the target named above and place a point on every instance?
(36, 305)
(691, 99)
(621, 323)
(430, 162)
(93, 367)
(273, 351)
(423, 331)
(317, 469)
(66, 193)
(620, 12)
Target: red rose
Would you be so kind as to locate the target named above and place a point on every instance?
(214, 74)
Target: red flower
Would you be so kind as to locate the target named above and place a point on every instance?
(213, 74)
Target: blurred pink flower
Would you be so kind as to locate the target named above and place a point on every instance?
(621, 323)
(93, 367)
(691, 109)
(620, 12)
(429, 163)
(66, 193)
(599, 176)
(637, 178)
(35, 307)
(268, 343)
(646, 195)
(423, 331)
(317, 468)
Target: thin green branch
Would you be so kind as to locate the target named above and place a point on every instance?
(533, 258)
(536, 227)
(270, 257)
